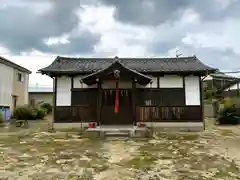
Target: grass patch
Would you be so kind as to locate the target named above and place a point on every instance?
(226, 132)
(178, 136)
(86, 175)
(185, 154)
(230, 169)
(144, 160)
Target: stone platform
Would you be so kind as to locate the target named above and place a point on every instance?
(122, 131)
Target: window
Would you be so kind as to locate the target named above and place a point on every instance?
(20, 77)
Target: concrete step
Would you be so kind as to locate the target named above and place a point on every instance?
(116, 130)
(116, 133)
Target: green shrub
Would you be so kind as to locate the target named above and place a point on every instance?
(28, 113)
(48, 107)
(229, 115)
(210, 93)
(228, 103)
(22, 112)
(41, 113)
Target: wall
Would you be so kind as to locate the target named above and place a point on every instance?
(234, 87)
(192, 90)
(63, 96)
(168, 81)
(171, 81)
(20, 88)
(77, 84)
(192, 87)
(39, 97)
(26, 83)
(6, 85)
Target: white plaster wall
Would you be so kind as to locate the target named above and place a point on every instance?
(192, 90)
(167, 81)
(77, 84)
(63, 97)
(209, 77)
(233, 87)
(171, 81)
(154, 83)
(6, 85)
(26, 83)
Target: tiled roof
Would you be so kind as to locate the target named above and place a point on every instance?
(142, 79)
(222, 75)
(88, 65)
(13, 65)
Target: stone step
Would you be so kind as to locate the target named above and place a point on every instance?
(116, 133)
(117, 130)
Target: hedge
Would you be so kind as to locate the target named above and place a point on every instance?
(27, 112)
(48, 107)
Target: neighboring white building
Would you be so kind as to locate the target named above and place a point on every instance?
(40, 94)
(14, 81)
(114, 91)
(218, 80)
(232, 89)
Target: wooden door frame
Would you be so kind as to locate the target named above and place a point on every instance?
(106, 106)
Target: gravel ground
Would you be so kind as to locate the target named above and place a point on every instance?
(36, 154)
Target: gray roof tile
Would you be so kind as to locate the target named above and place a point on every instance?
(80, 65)
(223, 75)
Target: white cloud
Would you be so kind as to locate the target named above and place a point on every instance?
(116, 38)
(226, 3)
(191, 33)
(57, 40)
(191, 17)
(222, 39)
(3, 50)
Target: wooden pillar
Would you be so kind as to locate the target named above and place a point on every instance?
(72, 86)
(54, 97)
(158, 82)
(134, 101)
(184, 88)
(99, 101)
(54, 102)
(201, 101)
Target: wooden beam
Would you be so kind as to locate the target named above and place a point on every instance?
(134, 101)
(201, 101)
(99, 101)
(158, 83)
(72, 82)
(184, 87)
(54, 102)
(72, 86)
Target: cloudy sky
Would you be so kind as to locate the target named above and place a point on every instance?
(34, 32)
